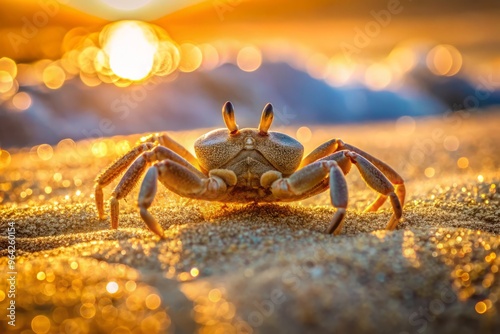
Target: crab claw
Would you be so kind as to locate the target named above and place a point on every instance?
(266, 119)
(228, 116)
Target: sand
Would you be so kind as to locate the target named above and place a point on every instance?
(260, 268)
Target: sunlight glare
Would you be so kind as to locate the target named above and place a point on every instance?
(127, 5)
(131, 47)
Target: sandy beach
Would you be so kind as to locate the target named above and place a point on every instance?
(260, 268)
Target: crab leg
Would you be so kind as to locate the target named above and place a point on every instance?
(113, 171)
(335, 145)
(379, 182)
(132, 175)
(165, 140)
(182, 181)
(390, 173)
(299, 182)
(311, 179)
(146, 196)
(321, 151)
(306, 179)
(339, 198)
(127, 183)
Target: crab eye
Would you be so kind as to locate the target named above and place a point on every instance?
(228, 116)
(266, 119)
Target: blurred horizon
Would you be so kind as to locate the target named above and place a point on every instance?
(68, 67)
(322, 25)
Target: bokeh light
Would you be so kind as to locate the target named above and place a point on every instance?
(90, 80)
(53, 76)
(21, 101)
(303, 134)
(99, 149)
(191, 57)
(463, 162)
(194, 272)
(87, 310)
(87, 58)
(45, 152)
(451, 143)
(40, 324)
(168, 56)
(429, 172)
(6, 81)
(444, 59)
(210, 57)
(317, 66)
(339, 71)
(249, 59)
(402, 59)
(9, 66)
(153, 301)
(40, 276)
(214, 295)
(378, 76)
(112, 287)
(5, 158)
(480, 307)
(405, 125)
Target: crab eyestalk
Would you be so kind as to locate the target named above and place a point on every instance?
(266, 119)
(228, 116)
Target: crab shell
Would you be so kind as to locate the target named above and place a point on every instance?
(272, 150)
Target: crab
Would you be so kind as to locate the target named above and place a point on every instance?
(247, 165)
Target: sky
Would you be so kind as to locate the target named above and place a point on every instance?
(73, 60)
(370, 29)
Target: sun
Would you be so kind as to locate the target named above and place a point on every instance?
(131, 47)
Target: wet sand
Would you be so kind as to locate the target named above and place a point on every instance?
(261, 268)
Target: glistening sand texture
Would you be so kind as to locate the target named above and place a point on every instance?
(262, 268)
